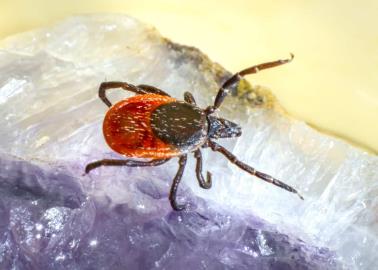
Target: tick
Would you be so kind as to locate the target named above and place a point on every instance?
(156, 127)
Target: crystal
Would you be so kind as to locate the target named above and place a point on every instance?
(53, 217)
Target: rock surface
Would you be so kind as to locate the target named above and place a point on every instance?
(117, 218)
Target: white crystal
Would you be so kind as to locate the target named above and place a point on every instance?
(51, 113)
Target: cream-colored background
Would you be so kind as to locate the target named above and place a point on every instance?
(333, 82)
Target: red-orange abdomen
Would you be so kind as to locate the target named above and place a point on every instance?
(127, 128)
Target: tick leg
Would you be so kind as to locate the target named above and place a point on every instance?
(188, 97)
(140, 89)
(231, 157)
(175, 184)
(152, 90)
(123, 162)
(206, 184)
(110, 85)
(224, 90)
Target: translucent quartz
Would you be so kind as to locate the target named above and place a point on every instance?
(51, 127)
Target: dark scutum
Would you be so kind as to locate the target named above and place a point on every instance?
(179, 124)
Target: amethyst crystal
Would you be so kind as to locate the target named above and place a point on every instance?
(49, 223)
(53, 217)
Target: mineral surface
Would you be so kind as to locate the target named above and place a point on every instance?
(54, 217)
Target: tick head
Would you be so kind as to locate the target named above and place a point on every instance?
(222, 128)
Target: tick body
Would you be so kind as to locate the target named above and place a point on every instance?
(154, 126)
(157, 127)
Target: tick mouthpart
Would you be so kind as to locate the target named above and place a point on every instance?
(222, 128)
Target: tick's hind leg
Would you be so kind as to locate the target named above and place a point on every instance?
(123, 162)
(135, 163)
(110, 85)
(152, 90)
(206, 184)
(140, 89)
(175, 184)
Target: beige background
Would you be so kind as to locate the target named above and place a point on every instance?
(333, 82)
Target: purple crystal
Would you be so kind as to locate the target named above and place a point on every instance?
(49, 223)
